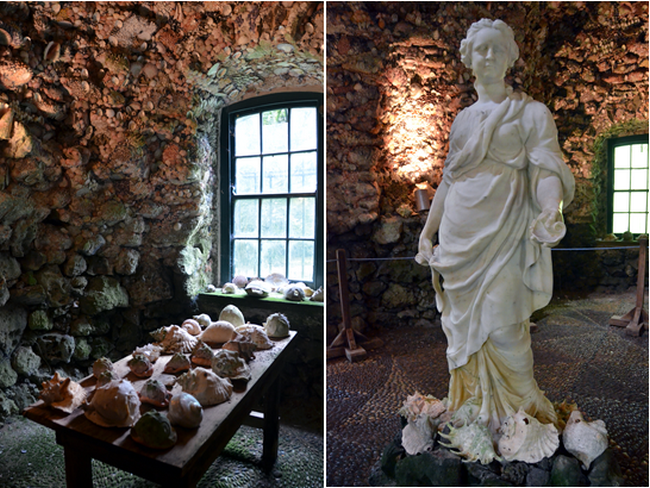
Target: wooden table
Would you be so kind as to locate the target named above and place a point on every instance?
(184, 464)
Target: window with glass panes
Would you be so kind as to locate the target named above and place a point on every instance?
(274, 201)
(629, 180)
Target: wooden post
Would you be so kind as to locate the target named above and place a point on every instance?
(636, 319)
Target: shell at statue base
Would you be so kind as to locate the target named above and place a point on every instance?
(256, 334)
(524, 438)
(140, 365)
(203, 319)
(62, 393)
(185, 411)
(154, 430)
(418, 435)
(178, 363)
(202, 354)
(154, 393)
(115, 404)
(178, 340)
(585, 440)
(101, 365)
(218, 332)
(228, 364)
(232, 314)
(277, 325)
(152, 351)
(417, 405)
(192, 326)
(242, 346)
(473, 442)
(205, 386)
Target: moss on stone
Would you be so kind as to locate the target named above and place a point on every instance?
(39, 320)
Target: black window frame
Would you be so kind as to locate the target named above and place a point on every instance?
(227, 137)
(612, 144)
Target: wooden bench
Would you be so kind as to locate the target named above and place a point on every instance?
(184, 464)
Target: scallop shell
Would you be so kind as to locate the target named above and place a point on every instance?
(178, 363)
(203, 319)
(152, 351)
(140, 365)
(232, 314)
(218, 332)
(205, 386)
(473, 442)
(185, 411)
(242, 346)
(192, 326)
(62, 393)
(256, 334)
(228, 364)
(178, 340)
(101, 365)
(585, 440)
(202, 354)
(154, 430)
(524, 438)
(115, 404)
(277, 325)
(154, 393)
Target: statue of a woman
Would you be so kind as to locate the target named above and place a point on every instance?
(496, 213)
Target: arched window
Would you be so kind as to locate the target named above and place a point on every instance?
(628, 182)
(272, 189)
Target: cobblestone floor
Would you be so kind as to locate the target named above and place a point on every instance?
(578, 358)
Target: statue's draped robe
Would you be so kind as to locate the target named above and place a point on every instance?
(494, 276)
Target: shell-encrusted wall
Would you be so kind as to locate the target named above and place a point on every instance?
(109, 118)
(395, 83)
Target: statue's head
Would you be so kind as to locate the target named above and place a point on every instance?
(467, 44)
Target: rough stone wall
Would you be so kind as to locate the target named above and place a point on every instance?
(108, 141)
(395, 83)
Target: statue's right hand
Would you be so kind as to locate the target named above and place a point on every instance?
(425, 252)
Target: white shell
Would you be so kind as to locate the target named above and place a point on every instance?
(232, 314)
(417, 405)
(228, 364)
(178, 340)
(62, 393)
(318, 295)
(423, 416)
(101, 365)
(258, 289)
(473, 442)
(116, 404)
(418, 435)
(205, 386)
(524, 438)
(152, 351)
(585, 440)
(277, 325)
(229, 288)
(256, 334)
(185, 411)
(218, 332)
(192, 326)
(203, 319)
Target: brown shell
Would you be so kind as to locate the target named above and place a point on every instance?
(242, 346)
(202, 354)
(178, 363)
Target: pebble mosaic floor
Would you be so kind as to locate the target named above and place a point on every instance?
(578, 358)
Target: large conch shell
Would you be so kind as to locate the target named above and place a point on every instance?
(185, 411)
(62, 393)
(152, 351)
(277, 325)
(116, 404)
(202, 354)
(228, 364)
(175, 339)
(232, 314)
(178, 363)
(140, 365)
(241, 345)
(154, 393)
(205, 386)
(585, 440)
(218, 332)
(256, 334)
(524, 438)
(101, 365)
(154, 430)
(472, 441)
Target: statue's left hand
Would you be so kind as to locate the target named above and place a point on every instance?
(548, 228)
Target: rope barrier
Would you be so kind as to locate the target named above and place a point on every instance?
(555, 249)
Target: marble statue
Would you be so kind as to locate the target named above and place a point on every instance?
(496, 214)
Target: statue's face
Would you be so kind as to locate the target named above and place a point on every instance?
(489, 56)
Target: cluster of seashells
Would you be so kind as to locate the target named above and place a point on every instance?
(200, 376)
(521, 437)
(274, 284)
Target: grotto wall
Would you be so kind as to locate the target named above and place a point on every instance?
(395, 82)
(109, 118)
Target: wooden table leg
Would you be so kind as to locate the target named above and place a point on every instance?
(78, 469)
(271, 425)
